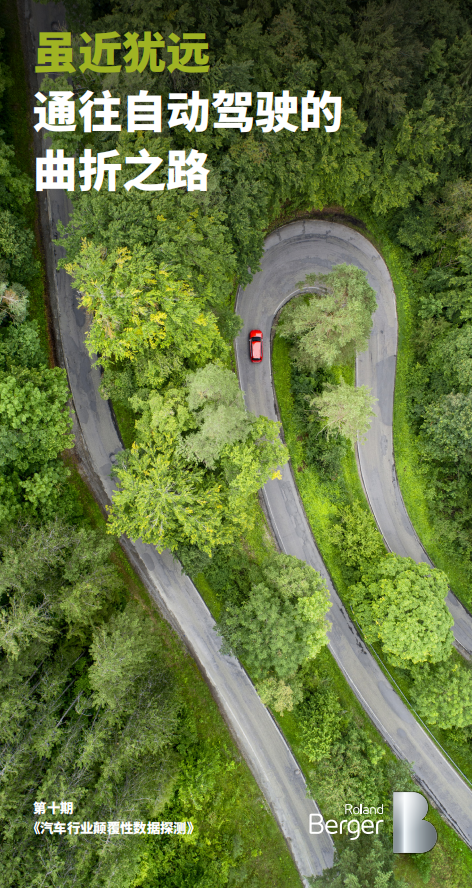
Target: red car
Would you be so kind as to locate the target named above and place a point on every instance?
(255, 346)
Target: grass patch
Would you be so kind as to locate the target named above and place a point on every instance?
(209, 596)
(321, 498)
(125, 418)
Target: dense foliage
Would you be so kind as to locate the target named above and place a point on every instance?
(197, 458)
(346, 532)
(402, 605)
(362, 864)
(81, 676)
(357, 536)
(330, 325)
(100, 706)
(344, 759)
(17, 261)
(34, 428)
(279, 626)
(442, 695)
(197, 454)
(403, 152)
(438, 383)
(394, 138)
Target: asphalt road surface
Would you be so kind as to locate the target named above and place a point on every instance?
(310, 246)
(375, 368)
(290, 254)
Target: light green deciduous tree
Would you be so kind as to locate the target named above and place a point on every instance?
(283, 621)
(215, 399)
(402, 605)
(442, 694)
(329, 326)
(136, 305)
(346, 409)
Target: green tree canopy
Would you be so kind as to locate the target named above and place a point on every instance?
(20, 347)
(89, 712)
(283, 621)
(49, 575)
(168, 504)
(217, 402)
(329, 326)
(347, 763)
(357, 537)
(346, 409)
(137, 306)
(442, 694)
(366, 863)
(183, 231)
(16, 240)
(402, 605)
(447, 429)
(35, 427)
(453, 353)
(174, 493)
(169, 501)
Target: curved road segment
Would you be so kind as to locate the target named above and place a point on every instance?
(291, 253)
(376, 369)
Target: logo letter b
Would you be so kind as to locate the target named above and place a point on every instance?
(411, 834)
(318, 823)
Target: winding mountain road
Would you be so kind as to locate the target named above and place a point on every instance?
(376, 369)
(289, 254)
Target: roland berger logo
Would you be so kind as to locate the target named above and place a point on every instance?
(412, 834)
(353, 827)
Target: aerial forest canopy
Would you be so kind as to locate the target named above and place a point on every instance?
(104, 717)
(176, 257)
(93, 702)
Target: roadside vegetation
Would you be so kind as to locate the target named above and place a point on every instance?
(195, 459)
(398, 605)
(436, 378)
(374, 162)
(429, 505)
(340, 751)
(101, 706)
